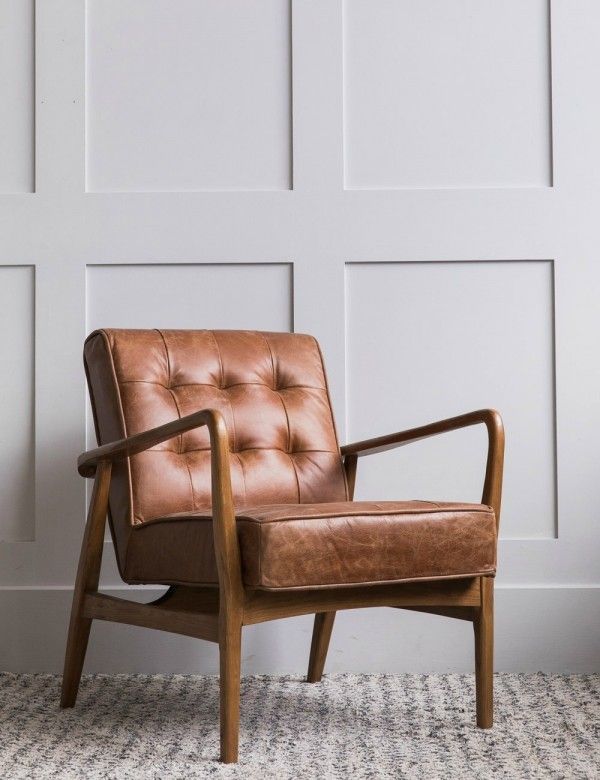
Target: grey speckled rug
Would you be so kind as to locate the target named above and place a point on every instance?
(348, 726)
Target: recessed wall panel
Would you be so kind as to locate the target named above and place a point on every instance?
(188, 95)
(426, 341)
(447, 93)
(17, 464)
(17, 95)
(253, 296)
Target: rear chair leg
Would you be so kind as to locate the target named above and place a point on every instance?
(484, 655)
(88, 577)
(320, 643)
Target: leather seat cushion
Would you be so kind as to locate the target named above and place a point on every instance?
(286, 546)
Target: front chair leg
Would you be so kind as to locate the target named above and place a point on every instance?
(230, 642)
(88, 577)
(77, 642)
(320, 643)
(484, 655)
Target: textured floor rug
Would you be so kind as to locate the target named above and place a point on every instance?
(348, 726)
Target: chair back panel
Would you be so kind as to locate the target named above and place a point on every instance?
(271, 389)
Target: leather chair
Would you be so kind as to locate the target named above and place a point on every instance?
(221, 475)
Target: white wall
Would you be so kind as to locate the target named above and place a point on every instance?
(416, 183)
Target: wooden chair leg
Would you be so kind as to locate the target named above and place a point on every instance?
(230, 641)
(484, 655)
(320, 644)
(77, 642)
(88, 576)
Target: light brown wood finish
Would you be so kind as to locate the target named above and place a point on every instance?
(262, 605)
(88, 576)
(231, 591)
(219, 614)
(320, 643)
(230, 644)
(226, 629)
(484, 655)
(458, 613)
(187, 622)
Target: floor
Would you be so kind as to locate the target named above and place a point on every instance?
(348, 726)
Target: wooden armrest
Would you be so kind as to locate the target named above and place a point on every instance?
(123, 448)
(381, 443)
(489, 417)
(225, 535)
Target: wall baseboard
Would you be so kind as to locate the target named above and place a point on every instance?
(34, 622)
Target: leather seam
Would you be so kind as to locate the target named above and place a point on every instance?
(180, 437)
(221, 387)
(224, 387)
(295, 518)
(357, 515)
(320, 516)
(335, 433)
(426, 578)
(168, 387)
(216, 343)
(132, 521)
(258, 449)
(340, 585)
(287, 417)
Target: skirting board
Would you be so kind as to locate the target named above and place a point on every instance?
(550, 629)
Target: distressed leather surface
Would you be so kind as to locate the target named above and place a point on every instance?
(295, 526)
(320, 545)
(271, 389)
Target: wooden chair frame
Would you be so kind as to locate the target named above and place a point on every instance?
(218, 614)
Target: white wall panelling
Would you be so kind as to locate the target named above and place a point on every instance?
(424, 138)
(447, 94)
(17, 507)
(190, 295)
(17, 96)
(456, 336)
(188, 94)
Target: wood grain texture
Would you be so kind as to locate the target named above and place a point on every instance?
(87, 578)
(187, 622)
(230, 643)
(484, 655)
(322, 629)
(458, 613)
(231, 590)
(272, 605)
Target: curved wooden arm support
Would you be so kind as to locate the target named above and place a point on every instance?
(124, 448)
(492, 486)
(225, 535)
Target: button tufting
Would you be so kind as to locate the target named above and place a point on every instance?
(255, 380)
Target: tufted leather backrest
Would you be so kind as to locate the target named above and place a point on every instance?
(271, 389)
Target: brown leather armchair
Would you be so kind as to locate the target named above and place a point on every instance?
(221, 474)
